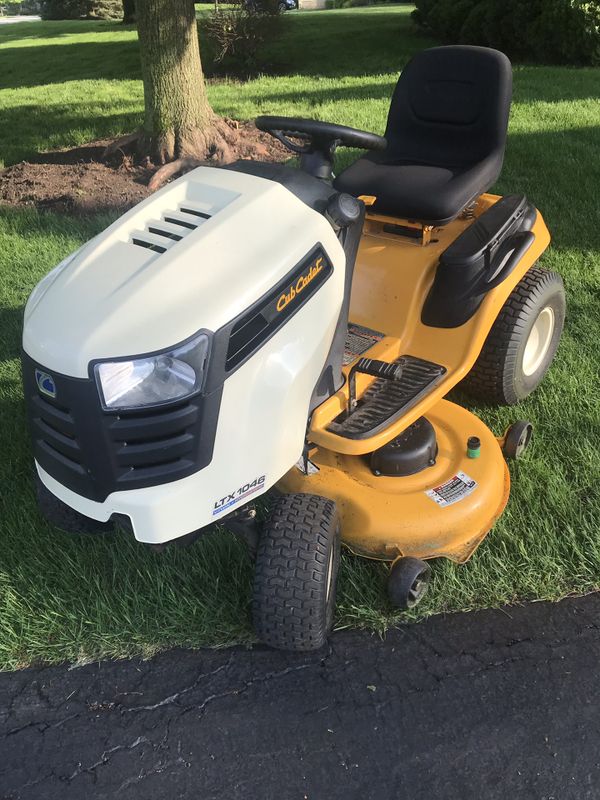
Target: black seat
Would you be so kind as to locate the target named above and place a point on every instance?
(446, 134)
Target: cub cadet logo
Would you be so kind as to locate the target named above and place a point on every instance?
(45, 383)
(300, 285)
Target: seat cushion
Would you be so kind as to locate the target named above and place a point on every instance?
(445, 133)
(433, 195)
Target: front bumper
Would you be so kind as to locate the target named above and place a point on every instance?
(157, 514)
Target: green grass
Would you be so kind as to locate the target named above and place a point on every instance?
(77, 599)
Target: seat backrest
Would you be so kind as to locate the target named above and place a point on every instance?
(450, 107)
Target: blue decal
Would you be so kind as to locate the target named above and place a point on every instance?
(240, 494)
(45, 383)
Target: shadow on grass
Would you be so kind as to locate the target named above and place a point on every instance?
(368, 90)
(560, 173)
(56, 29)
(74, 61)
(555, 84)
(346, 43)
(11, 325)
(341, 43)
(64, 125)
(323, 45)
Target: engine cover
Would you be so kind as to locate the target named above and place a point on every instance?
(237, 256)
(194, 255)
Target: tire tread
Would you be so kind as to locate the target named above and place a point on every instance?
(291, 570)
(492, 377)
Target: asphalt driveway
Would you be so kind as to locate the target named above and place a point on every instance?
(497, 704)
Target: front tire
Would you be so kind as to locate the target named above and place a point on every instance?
(522, 342)
(296, 573)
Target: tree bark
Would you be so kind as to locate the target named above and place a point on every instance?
(179, 121)
(128, 12)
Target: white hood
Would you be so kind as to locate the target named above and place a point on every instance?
(132, 290)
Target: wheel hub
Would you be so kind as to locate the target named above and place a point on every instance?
(417, 590)
(538, 342)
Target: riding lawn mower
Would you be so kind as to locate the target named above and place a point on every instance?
(263, 326)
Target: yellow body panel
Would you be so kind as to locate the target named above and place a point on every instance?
(392, 278)
(389, 517)
(384, 517)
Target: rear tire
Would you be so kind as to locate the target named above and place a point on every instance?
(296, 573)
(65, 517)
(522, 342)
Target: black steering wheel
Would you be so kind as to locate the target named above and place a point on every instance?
(313, 130)
(317, 141)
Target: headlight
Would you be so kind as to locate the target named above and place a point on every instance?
(153, 380)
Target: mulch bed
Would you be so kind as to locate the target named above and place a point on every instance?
(80, 181)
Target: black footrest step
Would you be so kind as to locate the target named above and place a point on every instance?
(386, 400)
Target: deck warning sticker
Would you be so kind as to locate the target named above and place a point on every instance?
(358, 341)
(457, 488)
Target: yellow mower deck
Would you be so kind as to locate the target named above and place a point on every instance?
(387, 517)
(444, 510)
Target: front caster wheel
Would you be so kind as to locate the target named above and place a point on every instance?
(296, 573)
(517, 439)
(408, 582)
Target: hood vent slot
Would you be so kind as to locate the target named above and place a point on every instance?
(161, 234)
(157, 248)
(167, 234)
(178, 221)
(194, 211)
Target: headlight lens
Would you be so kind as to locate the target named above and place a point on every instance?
(153, 380)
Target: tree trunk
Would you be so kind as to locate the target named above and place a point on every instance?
(128, 12)
(179, 121)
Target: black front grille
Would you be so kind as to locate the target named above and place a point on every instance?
(95, 453)
(55, 437)
(162, 443)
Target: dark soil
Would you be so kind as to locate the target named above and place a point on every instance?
(81, 181)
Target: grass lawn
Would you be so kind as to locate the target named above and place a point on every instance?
(69, 598)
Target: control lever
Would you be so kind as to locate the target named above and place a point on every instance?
(371, 366)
